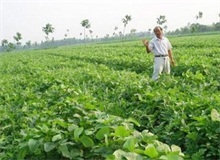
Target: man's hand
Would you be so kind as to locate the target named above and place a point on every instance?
(145, 42)
(171, 57)
(172, 62)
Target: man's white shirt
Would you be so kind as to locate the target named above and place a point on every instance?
(160, 46)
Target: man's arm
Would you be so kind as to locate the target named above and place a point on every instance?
(146, 43)
(171, 57)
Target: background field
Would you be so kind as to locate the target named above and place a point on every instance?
(115, 79)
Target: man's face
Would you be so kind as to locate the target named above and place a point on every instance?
(158, 32)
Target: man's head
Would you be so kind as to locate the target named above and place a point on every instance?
(158, 31)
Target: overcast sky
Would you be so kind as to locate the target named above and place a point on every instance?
(29, 16)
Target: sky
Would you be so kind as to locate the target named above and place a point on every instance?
(29, 16)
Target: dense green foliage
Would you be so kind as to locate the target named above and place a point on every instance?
(80, 103)
(197, 28)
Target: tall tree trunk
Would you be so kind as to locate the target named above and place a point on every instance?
(124, 32)
(85, 36)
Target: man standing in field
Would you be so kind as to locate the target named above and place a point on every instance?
(161, 48)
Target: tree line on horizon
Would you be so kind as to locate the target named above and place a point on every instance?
(161, 21)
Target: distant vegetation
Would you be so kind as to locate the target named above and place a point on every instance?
(194, 28)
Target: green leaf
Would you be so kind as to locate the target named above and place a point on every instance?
(89, 106)
(44, 128)
(57, 137)
(60, 122)
(101, 133)
(88, 132)
(21, 154)
(133, 156)
(171, 156)
(32, 144)
(193, 136)
(120, 155)
(72, 127)
(134, 121)
(151, 151)
(76, 152)
(129, 144)
(106, 140)
(86, 141)
(121, 131)
(215, 116)
(65, 152)
(139, 151)
(148, 137)
(78, 132)
(163, 148)
(175, 148)
(49, 146)
(110, 157)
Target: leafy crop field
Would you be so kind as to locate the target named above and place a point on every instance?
(99, 102)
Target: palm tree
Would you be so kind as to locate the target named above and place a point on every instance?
(4, 42)
(85, 24)
(125, 20)
(28, 43)
(165, 27)
(11, 46)
(66, 34)
(199, 16)
(17, 38)
(80, 35)
(90, 31)
(149, 32)
(195, 26)
(47, 30)
(114, 33)
(162, 21)
(133, 31)
(120, 34)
